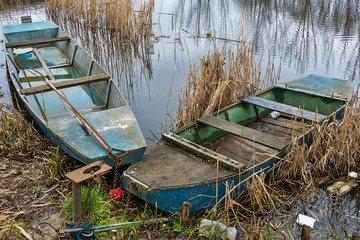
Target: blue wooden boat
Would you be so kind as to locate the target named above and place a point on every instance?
(181, 166)
(40, 51)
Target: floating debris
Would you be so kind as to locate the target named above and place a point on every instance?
(340, 188)
(353, 174)
(218, 228)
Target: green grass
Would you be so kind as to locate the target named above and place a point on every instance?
(56, 166)
(98, 208)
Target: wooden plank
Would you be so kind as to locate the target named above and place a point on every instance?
(43, 63)
(245, 132)
(231, 150)
(272, 129)
(60, 66)
(287, 123)
(251, 151)
(35, 42)
(65, 84)
(204, 152)
(283, 108)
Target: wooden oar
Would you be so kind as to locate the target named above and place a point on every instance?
(89, 127)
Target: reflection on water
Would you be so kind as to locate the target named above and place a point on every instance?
(316, 35)
(127, 61)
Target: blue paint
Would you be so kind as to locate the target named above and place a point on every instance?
(113, 120)
(169, 197)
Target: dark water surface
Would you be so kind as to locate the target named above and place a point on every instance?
(317, 36)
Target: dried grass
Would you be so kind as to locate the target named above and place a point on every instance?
(335, 148)
(123, 47)
(25, 157)
(130, 23)
(223, 77)
(8, 4)
(334, 151)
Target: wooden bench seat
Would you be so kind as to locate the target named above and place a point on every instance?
(245, 132)
(284, 108)
(35, 42)
(65, 84)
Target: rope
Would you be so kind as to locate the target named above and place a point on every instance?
(84, 233)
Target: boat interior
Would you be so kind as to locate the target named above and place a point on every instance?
(244, 135)
(45, 50)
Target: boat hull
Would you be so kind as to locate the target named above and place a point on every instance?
(178, 176)
(38, 50)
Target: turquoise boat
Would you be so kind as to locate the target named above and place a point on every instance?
(246, 138)
(70, 96)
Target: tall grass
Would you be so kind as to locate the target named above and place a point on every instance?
(131, 23)
(116, 33)
(333, 152)
(7, 4)
(224, 77)
(335, 149)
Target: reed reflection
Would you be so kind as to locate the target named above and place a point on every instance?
(114, 33)
(313, 34)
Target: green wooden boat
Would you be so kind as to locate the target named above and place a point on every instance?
(40, 50)
(181, 166)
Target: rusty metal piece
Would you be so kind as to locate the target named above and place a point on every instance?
(88, 172)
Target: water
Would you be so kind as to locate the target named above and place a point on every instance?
(317, 36)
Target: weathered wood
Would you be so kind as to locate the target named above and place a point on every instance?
(76, 201)
(185, 213)
(65, 84)
(204, 152)
(355, 236)
(43, 63)
(287, 123)
(284, 108)
(305, 232)
(245, 132)
(35, 42)
(60, 66)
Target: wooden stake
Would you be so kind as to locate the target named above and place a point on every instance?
(355, 236)
(305, 232)
(76, 201)
(185, 213)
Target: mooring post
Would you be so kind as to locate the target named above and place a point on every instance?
(355, 236)
(185, 213)
(307, 224)
(80, 176)
(305, 232)
(76, 201)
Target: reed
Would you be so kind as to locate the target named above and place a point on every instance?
(125, 56)
(131, 23)
(335, 149)
(9, 4)
(224, 77)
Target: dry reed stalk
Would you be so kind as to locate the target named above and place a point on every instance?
(335, 147)
(11, 4)
(122, 55)
(132, 24)
(222, 78)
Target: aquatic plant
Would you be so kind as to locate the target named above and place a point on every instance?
(116, 33)
(130, 23)
(223, 77)
(335, 149)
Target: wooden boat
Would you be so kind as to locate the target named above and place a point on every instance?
(181, 166)
(85, 114)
